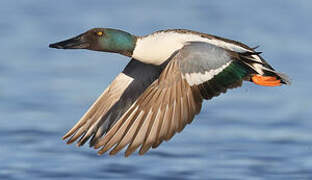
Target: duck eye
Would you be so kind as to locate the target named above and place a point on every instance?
(100, 33)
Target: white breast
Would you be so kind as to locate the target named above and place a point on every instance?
(158, 47)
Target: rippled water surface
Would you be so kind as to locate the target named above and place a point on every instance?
(249, 133)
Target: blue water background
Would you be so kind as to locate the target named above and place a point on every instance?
(249, 133)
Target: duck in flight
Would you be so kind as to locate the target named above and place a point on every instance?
(163, 86)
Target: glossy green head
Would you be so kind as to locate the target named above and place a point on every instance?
(101, 39)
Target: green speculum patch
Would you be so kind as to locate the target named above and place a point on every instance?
(231, 74)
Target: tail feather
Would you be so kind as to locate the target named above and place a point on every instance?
(281, 76)
(258, 66)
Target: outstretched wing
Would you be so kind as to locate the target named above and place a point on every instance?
(197, 71)
(113, 102)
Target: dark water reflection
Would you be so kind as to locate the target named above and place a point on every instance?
(249, 133)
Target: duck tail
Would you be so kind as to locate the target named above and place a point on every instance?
(261, 72)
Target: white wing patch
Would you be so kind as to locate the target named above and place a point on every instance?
(197, 78)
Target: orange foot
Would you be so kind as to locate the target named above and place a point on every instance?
(265, 80)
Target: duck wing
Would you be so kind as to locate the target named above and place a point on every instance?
(113, 102)
(197, 71)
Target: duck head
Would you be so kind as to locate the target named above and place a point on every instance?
(101, 39)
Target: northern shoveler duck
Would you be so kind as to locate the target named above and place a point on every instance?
(163, 86)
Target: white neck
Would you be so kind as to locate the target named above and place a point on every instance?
(156, 48)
